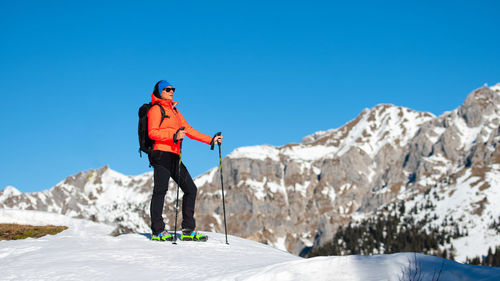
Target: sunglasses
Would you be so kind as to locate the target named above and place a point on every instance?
(169, 89)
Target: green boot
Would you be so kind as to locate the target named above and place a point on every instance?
(193, 235)
(163, 236)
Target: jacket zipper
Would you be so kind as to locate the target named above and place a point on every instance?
(176, 117)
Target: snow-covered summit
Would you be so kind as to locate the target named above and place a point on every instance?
(102, 195)
(9, 191)
(370, 131)
(383, 114)
(496, 88)
(258, 152)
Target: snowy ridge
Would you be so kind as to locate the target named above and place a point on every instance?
(258, 152)
(85, 252)
(8, 191)
(385, 124)
(370, 131)
(101, 195)
(496, 87)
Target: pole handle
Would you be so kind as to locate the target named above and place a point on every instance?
(212, 144)
(175, 136)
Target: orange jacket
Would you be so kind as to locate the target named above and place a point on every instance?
(163, 134)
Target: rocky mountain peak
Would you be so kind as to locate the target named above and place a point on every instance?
(482, 102)
(8, 191)
(372, 129)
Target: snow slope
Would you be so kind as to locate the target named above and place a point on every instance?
(85, 251)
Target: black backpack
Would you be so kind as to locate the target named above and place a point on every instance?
(145, 143)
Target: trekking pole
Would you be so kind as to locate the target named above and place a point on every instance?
(178, 181)
(222, 183)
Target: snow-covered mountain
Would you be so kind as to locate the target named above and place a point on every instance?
(100, 195)
(296, 196)
(85, 251)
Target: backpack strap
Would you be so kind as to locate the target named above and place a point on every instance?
(163, 115)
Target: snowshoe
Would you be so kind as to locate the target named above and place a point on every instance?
(193, 235)
(163, 236)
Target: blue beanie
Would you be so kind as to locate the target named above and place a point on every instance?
(162, 85)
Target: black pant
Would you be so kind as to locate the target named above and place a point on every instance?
(166, 165)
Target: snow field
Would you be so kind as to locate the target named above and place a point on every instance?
(362, 268)
(85, 251)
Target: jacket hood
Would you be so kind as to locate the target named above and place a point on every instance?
(154, 100)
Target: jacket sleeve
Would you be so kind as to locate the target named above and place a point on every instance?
(194, 134)
(154, 130)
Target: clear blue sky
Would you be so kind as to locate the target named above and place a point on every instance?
(73, 74)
